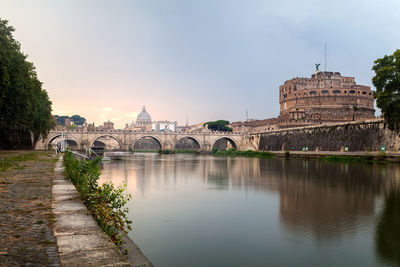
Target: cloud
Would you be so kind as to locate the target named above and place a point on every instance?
(108, 109)
(117, 118)
(132, 115)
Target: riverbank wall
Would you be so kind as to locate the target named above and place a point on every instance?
(364, 136)
(80, 240)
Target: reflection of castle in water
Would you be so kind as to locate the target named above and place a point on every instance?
(326, 199)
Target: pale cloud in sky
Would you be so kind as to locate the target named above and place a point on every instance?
(205, 60)
(132, 115)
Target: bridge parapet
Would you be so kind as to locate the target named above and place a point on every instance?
(147, 132)
(127, 138)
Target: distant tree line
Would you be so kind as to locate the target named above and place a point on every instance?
(25, 108)
(219, 125)
(76, 119)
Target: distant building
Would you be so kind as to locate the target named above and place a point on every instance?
(143, 119)
(108, 125)
(143, 122)
(254, 125)
(164, 126)
(67, 122)
(326, 97)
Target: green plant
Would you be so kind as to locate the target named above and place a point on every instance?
(185, 151)
(106, 203)
(248, 153)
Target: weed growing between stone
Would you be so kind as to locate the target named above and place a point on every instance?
(106, 203)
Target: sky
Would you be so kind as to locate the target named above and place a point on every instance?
(197, 60)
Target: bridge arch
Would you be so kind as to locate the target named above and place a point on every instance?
(67, 138)
(229, 141)
(144, 137)
(188, 137)
(106, 135)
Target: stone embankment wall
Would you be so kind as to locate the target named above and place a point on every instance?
(357, 136)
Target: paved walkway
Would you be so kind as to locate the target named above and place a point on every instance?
(26, 219)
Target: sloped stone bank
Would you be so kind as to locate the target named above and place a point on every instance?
(356, 136)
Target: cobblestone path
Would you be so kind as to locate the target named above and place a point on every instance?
(26, 218)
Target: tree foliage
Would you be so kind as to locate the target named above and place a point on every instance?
(76, 119)
(387, 83)
(25, 108)
(219, 125)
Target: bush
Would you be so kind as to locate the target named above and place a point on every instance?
(248, 153)
(106, 203)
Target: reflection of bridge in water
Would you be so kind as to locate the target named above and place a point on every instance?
(126, 140)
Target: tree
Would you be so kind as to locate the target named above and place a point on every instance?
(219, 125)
(387, 83)
(78, 120)
(25, 108)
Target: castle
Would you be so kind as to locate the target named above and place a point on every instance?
(326, 97)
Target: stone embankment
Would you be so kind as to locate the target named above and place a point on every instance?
(80, 240)
(341, 137)
(387, 156)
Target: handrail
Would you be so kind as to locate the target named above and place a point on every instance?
(78, 154)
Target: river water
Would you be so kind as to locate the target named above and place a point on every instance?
(199, 210)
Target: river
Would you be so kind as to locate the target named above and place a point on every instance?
(201, 210)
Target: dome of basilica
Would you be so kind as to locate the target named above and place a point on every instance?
(143, 118)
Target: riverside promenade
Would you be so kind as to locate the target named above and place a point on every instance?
(26, 217)
(43, 221)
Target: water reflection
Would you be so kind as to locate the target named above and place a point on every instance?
(388, 229)
(320, 201)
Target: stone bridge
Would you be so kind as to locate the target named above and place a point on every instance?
(166, 140)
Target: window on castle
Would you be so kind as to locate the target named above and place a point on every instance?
(325, 91)
(336, 91)
(352, 92)
(313, 92)
(364, 93)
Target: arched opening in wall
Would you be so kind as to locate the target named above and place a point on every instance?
(98, 145)
(148, 143)
(224, 143)
(106, 142)
(187, 143)
(56, 142)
